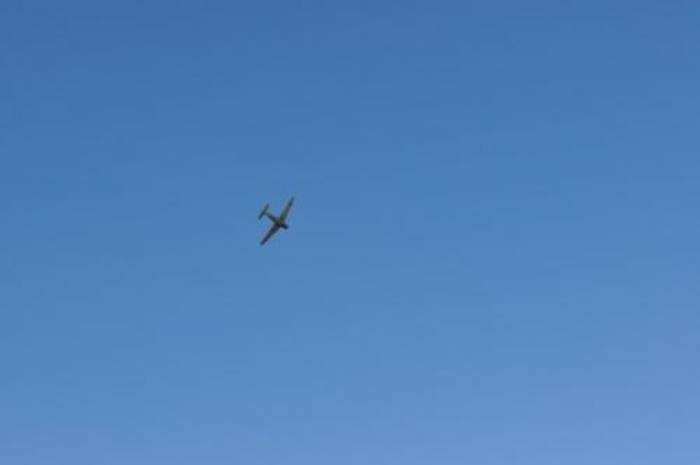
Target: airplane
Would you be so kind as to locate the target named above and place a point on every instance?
(278, 222)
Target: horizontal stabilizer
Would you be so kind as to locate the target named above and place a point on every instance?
(264, 211)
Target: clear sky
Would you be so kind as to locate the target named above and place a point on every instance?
(493, 258)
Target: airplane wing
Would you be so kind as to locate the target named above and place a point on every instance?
(273, 229)
(288, 207)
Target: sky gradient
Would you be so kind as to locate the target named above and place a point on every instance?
(493, 258)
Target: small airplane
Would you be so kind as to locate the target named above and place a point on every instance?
(278, 222)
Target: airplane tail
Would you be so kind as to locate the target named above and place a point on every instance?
(264, 210)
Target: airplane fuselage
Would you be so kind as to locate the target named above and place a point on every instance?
(278, 221)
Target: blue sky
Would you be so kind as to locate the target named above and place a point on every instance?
(493, 258)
